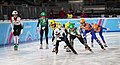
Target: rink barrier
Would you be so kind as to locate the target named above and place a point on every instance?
(30, 33)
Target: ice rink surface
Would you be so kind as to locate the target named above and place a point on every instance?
(30, 54)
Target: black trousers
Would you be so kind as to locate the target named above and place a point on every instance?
(17, 30)
(46, 35)
(80, 38)
(53, 36)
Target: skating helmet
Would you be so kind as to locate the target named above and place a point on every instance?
(66, 25)
(82, 21)
(95, 26)
(71, 25)
(43, 14)
(14, 13)
(58, 25)
(52, 22)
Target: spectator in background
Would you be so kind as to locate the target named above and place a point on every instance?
(102, 15)
(62, 13)
(71, 11)
(51, 14)
(83, 15)
(69, 15)
(114, 15)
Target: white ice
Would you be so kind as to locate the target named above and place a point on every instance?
(30, 54)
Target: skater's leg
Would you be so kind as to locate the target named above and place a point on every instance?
(67, 48)
(41, 38)
(53, 41)
(53, 36)
(17, 39)
(69, 39)
(94, 37)
(84, 37)
(72, 37)
(56, 47)
(91, 41)
(17, 30)
(46, 35)
(85, 44)
(100, 44)
(100, 33)
(68, 44)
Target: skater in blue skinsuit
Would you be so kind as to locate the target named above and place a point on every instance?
(99, 29)
(87, 28)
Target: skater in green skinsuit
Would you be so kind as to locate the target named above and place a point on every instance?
(74, 33)
(43, 21)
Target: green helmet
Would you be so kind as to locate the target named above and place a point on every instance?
(43, 14)
(71, 25)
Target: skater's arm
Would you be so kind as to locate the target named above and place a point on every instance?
(81, 31)
(90, 26)
(47, 22)
(104, 28)
(77, 31)
(38, 23)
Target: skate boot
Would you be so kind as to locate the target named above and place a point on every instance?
(15, 46)
(75, 52)
(47, 46)
(88, 48)
(92, 45)
(41, 47)
(68, 50)
(53, 50)
(65, 46)
(105, 45)
(56, 51)
(102, 46)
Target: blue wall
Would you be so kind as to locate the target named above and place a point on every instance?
(30, 34)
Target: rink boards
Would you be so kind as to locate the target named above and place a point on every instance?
(30, 33)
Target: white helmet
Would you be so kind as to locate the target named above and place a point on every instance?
(14, 13)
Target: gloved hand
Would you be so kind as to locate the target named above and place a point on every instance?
(78, 36)
(21, 31)
(37, 29)
(43, 28)
(12, 30)
(58, 39)
(108, 28)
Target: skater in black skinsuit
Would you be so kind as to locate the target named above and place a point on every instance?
(58, 36)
